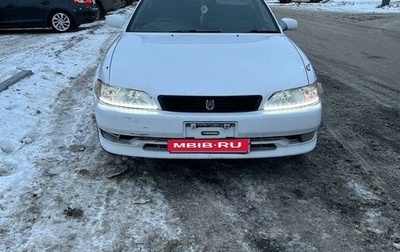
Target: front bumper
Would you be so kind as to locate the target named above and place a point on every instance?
(143, 133)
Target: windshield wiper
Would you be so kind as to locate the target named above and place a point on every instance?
(196, 31)
(261, 31)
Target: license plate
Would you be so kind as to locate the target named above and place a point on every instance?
(208, 145)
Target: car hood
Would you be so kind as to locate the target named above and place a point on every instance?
(205, 64)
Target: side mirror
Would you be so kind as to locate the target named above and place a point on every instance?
(288, 24)
(116, 21)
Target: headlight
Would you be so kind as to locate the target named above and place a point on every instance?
(294, 98)
(123, 97)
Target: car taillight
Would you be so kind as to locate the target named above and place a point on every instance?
(83, 1)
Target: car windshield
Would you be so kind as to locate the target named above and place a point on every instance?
(208, 16)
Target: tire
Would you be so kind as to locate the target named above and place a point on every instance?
(123, 4)
(102, 11)
(61, 22)
(118, 5)
(285, 1)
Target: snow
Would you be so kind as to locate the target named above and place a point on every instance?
(355, 6)
(25, 108)
(56, 60)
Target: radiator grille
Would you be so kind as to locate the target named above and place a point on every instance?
(210, 104)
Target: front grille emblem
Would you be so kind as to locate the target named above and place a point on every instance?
(210, 104)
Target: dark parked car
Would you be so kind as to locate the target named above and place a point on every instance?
(61, 15)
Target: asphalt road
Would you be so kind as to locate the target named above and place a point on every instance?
(344, 196)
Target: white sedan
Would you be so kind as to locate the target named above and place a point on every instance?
(203, 79)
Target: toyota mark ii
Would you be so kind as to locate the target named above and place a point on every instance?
(204, 79)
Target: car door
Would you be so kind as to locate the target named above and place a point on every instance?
(33, 13)
(8, 13)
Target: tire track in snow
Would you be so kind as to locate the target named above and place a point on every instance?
(72, 175)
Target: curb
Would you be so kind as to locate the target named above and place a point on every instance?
(14, 79)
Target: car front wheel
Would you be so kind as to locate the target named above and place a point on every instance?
(61, 22)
